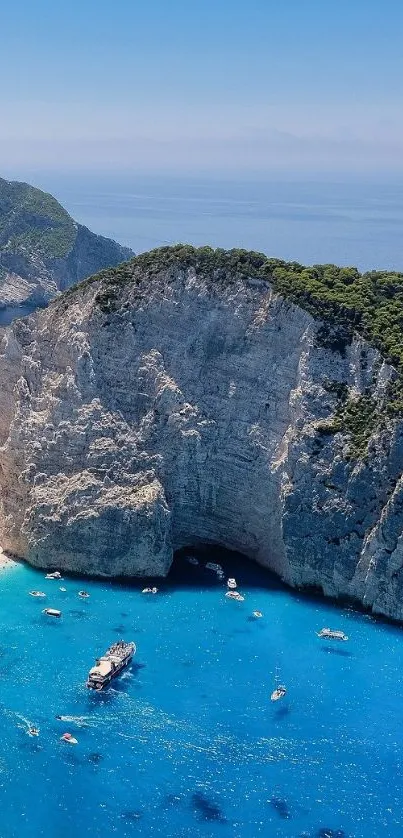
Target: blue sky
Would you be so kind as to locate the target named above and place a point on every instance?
(201, 86)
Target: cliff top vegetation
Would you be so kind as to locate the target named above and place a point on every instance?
(370, 304)
(33, 221)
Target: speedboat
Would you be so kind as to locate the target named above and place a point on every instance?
(235, 595)
(149, 591)
(33, 731)
(231, 583)
(37, 594)
(78, 720)
(68, 737)
(52, 612)
(278, 693)
(331, 634)
(257, 614)
(55, 575)
(63, 590)
(83, 594)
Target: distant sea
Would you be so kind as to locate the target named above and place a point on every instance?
(347, 223)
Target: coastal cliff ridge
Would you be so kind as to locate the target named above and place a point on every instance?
(43, 250)
(195, 396)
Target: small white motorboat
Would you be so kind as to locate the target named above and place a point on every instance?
(257, 614)
(68, 737)
(33, 731)
(192, 560)
(55, 575)
(235, 595)
(331, 634)
(37, 594)
(52, 612)
(213, 566)
(84, 594)
(278, 693)
(231, 583)
(149, 591)
(63, 590)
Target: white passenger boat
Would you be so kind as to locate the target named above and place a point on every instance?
(111, 664)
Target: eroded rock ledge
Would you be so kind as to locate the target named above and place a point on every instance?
(177, 407)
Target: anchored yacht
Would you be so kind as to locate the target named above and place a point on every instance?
(331, 634)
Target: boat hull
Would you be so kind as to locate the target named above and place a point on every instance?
(101, 685)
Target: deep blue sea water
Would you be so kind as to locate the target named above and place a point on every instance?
(187, 743)
(349, 222)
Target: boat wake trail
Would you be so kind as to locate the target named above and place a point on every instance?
(80, 721)
(26, 723)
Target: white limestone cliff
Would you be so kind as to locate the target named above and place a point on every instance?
(174, 410)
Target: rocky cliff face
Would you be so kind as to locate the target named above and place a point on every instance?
(42, 250)
(174, 406)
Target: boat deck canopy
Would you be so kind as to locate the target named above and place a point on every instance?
(103, 668)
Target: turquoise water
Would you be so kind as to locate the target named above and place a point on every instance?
(188, 743)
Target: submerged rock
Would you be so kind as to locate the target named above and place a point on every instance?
(206, 809)
(173, 403)
(281, 807)
(95, 758)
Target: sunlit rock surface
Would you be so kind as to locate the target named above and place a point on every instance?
(171, 410)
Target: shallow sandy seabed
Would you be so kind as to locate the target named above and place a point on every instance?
(6, 561)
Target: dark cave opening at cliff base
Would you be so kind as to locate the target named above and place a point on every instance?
(184, 573)
(248, 574)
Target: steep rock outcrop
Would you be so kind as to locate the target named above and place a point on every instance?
(42, 250)
(161, 407)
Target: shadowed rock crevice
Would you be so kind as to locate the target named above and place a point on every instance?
(172, 410)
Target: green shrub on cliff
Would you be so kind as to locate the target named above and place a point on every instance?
(357, 417)
(370, 304)
(34, 221)
(206, 260)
